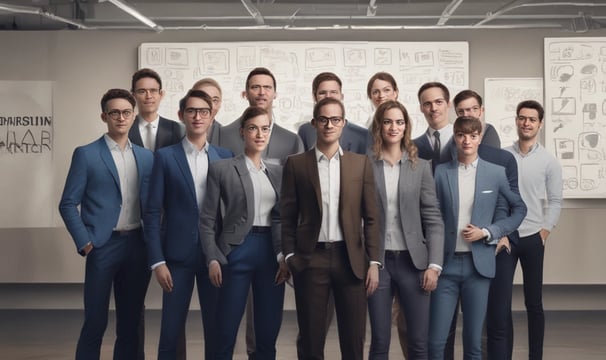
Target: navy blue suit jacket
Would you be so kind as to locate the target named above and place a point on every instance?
(92, 184)
(354, 137)
(169, 132)
(171, 215)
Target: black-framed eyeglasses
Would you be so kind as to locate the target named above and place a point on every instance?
(334, 120)
(116, 114)
(193, 112)
(253, 129)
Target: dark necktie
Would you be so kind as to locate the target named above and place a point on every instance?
(435, 160)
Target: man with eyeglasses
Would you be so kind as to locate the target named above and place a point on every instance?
(101, 205)
(261, 91)
(327, 195)
(213, 89)
(171, 224)
(541, 190)
(354, 138)
(151, 130)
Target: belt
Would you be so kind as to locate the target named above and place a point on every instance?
(125, 232)
(395, 253)
(462, 253)
(260, 229)
(329, 245)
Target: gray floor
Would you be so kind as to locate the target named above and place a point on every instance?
(52, 334)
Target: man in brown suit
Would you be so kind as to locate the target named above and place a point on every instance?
(328, 199)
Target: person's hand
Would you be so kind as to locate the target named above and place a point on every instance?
(164, 278)
(283, 273)
(88, 248)
(372, 279)
(214, 273)
(472, 233)
(544, 234)
(430, 279)
(503, 244)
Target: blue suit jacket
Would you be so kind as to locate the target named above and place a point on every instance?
(354, 137)
(171, 215)
(92, 184)
(493, 199)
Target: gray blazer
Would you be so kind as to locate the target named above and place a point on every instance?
(230, 188)
(419, 211)
(282, 142)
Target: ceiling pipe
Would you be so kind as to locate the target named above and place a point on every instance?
(448, 11)
(15, 9)
(135, 13)
(254, 12)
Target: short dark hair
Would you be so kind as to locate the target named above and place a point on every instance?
(467, 94)
(116, 94)
(260, 71)
(197, 94)
(327, 101)
(382, 75)
(467, 125)
(320, 78)
(434, 84)
(144, 73)
(252, 112)
(531, 104)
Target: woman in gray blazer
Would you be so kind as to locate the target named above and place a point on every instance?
(412, 232)
(243, 247)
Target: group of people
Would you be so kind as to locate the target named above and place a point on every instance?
(356, 218)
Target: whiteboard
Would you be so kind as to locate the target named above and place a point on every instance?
(502, 96)
(295, 64)
(575, 106)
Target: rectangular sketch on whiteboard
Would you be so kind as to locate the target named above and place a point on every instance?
(295, 64)
(575, 110)
(501, 97)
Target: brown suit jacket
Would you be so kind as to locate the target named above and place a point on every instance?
(301, 210)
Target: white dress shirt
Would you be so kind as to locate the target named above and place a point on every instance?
(130, 209)
(264, 194)
(329, 171)
(394, 234)
(198, 165)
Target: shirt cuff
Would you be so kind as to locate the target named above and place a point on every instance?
(280, 257)
(487, 234)
(287, 256)
(435, 266)
(377, 263)
(154, 266)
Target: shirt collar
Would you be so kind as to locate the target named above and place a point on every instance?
(144, 123)
(191, 148)
(112, 145)
(516, 147)
(446, 130)
(473, 165)
(251, 166)
(320, 155)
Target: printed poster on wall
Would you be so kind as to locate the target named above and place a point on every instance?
(26, 149)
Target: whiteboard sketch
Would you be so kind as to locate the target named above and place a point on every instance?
(575, 88)
(501, 97)
(295, 64)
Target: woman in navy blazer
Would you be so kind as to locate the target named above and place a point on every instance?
(412, 233)
(247, 249)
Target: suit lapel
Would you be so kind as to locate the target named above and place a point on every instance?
(380, 182)
(242, 170)
(314, 176)
(134, 134)
(452, 175)
(163, 134)
(181, 160)
(108, 160)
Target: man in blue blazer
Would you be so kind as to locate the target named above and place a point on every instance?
(177, 190)
(101, 206)
(475, 201)
(151, 130)
(354, 138)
